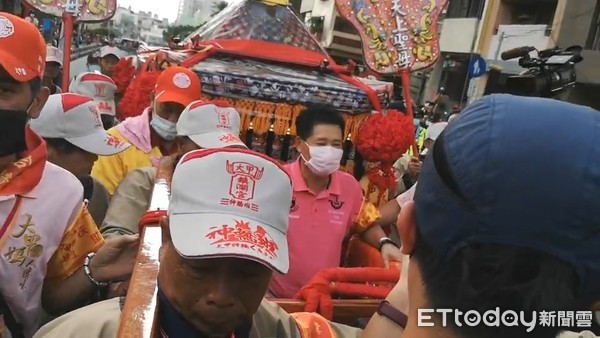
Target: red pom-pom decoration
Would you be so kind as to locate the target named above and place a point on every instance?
(138, 95)
(123, 73)
(382, 140)
(385, 137)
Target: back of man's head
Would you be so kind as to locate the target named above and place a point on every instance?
(504, 221)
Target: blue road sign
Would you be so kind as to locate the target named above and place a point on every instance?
(477, 67)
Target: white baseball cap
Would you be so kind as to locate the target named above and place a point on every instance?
(241, 211)
(434, 130)
(75, 118)
(210, 124)
(54, 54)
(109, 50)
(100, 88)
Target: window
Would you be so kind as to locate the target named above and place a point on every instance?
(593, 41)
(465, 8)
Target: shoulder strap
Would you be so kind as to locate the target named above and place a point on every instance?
(312, 325)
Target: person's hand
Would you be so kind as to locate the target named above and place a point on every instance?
(414, 169)
(390, 252)
(115, 259)
(117, 289)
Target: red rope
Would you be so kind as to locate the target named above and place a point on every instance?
(352, 282)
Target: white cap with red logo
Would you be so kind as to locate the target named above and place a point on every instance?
(241, 211)
(99, 87)
(54, 54)
(75, 118)
(210, 124)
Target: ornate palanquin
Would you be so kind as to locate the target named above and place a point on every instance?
(259, 57)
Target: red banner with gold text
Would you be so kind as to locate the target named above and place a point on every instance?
(90, 10)
(396, 34)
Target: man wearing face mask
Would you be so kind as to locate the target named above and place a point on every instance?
(152, 133)
(202, 125)
(327, 204)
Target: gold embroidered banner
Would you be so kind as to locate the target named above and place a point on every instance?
(396, 34)
(90, 10)
(80, 239)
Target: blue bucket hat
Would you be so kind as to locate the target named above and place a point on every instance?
(516, 171)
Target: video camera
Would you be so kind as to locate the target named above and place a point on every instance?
(547, 75)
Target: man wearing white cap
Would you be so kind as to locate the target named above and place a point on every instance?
(101, 89)
(216, 259)
(202, 125)
(109, 56)
(54, 62)
(73, 131)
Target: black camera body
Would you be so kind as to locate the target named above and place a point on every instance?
(547, 75)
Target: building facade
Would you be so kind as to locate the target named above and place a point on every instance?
(580, 25)
(543, 24)
(11, 6)
(195, 12)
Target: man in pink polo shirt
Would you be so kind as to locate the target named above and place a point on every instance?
(327, 203)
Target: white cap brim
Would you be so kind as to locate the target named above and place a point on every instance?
(198, 235)
(53, 59)
(216, 140)
(110, 53)
(99, 143)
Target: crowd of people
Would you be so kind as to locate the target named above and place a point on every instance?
(498, 210)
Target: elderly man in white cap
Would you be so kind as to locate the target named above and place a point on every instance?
(54, 63)
(71, 126)
(216, 259)
(202, 125)
(101, 89)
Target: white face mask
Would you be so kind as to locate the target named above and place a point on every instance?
(324, 160)
(94, 68)
(163, 127)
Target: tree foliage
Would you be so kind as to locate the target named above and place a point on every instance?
(182, 31)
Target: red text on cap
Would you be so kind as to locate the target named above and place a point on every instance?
(223, 118)
(242, 184)
(229, 138)
(242, 236)
(100, 89)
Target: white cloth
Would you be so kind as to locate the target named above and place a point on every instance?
(407, 196)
